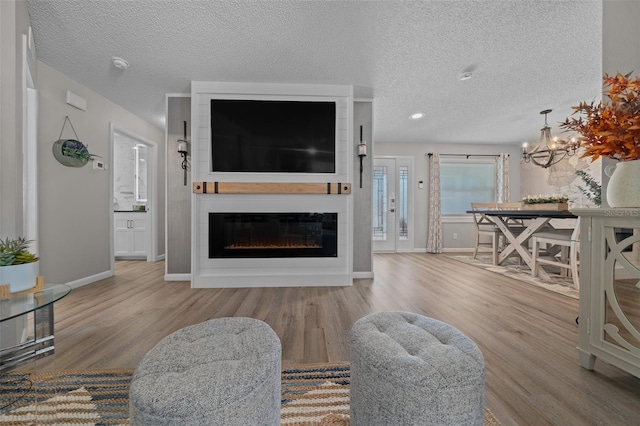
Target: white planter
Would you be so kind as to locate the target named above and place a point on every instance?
(623, 189)
(63, 159)
(20, 277)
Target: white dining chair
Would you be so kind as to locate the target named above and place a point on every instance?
(569, 242)
(484, 227)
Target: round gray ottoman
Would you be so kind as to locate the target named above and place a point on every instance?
(223, 371)
(407, 369)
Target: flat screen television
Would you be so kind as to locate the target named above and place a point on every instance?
(270, 136)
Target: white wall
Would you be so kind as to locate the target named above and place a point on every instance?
(421, 173)
(560, 178)
(75, 203)
(14, 22)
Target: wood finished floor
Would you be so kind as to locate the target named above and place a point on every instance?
(527, 335)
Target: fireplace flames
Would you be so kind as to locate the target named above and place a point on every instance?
(272, 235)
(270, 245)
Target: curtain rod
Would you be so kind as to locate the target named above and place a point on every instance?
(467, 155)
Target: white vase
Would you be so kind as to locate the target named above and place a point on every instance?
(20, 277)
(623, 189)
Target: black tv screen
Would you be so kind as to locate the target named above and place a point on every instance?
(268, 136)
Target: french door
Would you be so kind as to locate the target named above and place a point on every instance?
(392, 219)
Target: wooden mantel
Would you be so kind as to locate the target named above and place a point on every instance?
(271, 188)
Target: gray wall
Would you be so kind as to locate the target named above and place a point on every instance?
(621, 37)
(620, 50)
(75, 203)
(178, 259)
(178, 196)
(362, 197)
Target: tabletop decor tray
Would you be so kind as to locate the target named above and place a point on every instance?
(546, 206)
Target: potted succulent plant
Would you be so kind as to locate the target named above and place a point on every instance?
(18, 267)
(611, 129)
(71, 152)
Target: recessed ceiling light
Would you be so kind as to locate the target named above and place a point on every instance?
(120, 63)
(417, 115)
(465, 75)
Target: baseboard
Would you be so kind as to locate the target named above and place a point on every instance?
(89, 280)
(177, 277)
(187, 277)
(362, 275)
(424, 250)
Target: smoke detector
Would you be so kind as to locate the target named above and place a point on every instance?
(120, 63)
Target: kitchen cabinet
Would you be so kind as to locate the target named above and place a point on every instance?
(130, 234)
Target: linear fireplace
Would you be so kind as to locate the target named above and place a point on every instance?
(272, 235)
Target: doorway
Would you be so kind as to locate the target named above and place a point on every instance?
(392, 218)
(133, 180)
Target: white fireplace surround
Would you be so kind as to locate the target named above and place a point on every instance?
(270, 272)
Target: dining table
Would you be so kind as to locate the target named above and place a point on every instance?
(517, 237)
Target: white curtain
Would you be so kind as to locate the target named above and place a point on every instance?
(502, 178)
(434, 238)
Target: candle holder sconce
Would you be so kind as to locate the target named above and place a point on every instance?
(183, 151)
(362, 152)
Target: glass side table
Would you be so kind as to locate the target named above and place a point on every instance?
(23, 337)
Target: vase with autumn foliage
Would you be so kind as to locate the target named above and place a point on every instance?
(611, 129)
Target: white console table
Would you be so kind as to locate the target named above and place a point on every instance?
(609, 321)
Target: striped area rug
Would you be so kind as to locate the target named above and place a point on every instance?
(84, 397)
(315, 395)
(312, 395)
(522, 273)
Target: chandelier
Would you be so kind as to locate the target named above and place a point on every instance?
(549, 151)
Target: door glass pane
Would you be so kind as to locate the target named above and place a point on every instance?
(379, 203)
(403, 203)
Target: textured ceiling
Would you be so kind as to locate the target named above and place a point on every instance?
(525, 55)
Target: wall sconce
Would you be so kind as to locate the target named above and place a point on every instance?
(362, 152)
(183, 146)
